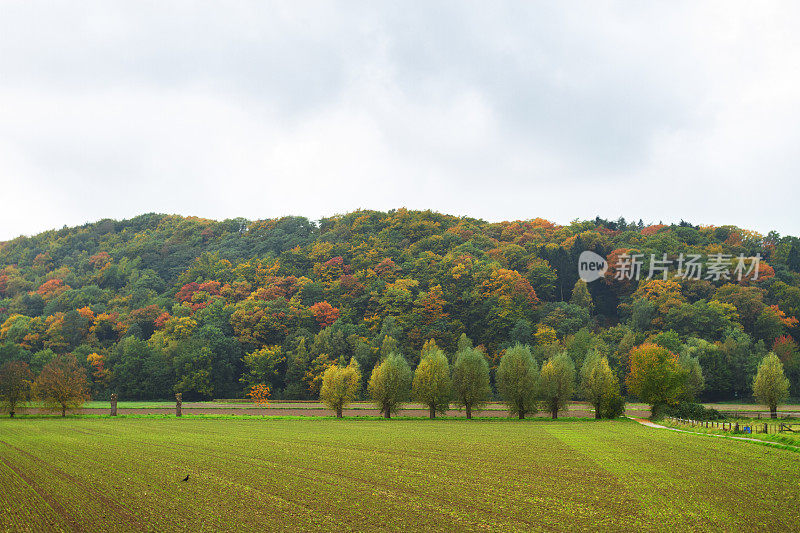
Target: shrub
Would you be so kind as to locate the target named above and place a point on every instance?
(692, 411)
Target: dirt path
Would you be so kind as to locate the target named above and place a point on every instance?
(288, 411)
(648, 423)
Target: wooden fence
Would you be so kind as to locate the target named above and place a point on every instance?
(770, 428)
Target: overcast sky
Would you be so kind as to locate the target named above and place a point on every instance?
(501, 111)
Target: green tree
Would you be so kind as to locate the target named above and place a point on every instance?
(390, 384)
(41, 358)
(432, 385)
(62, 384)
(193, 372)
(518, 380)
(770, 386)
(522, 333)
(581, 296)
(295, 370)
(340, 386)
(599, 385)
(471, 387)
(557, 383)
(388, 345)
(261, 366)
(464, 343)
(694, 376)
(15, 385)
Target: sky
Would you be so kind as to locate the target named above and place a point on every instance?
(498, 110)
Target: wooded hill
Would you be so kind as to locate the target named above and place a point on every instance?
(160, 304)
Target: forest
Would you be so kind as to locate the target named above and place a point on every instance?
(164, 304)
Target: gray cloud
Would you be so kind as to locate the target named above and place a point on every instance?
(501, 111)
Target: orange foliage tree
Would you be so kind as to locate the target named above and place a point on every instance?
(62, 384)
(324, 313)
(655, 376)
(52, 288)
(259, 394)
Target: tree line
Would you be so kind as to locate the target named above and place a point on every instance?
(657, 376)
(158, 304)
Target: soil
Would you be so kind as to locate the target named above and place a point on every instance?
(294, 411)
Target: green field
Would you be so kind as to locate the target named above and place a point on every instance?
(267, 474)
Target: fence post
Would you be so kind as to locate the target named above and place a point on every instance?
(736, 429)
(178, 402)
(765, 427)
(113, 405)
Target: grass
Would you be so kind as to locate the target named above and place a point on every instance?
(790, 440)
(326, 474)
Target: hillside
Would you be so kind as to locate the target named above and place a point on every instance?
(160, 304)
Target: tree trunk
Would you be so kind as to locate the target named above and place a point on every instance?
(597, 412)
(11, 414)
(432, 412)
(554, 412)
(773, 411)
(469, 412)
(338, 412)
(386, 413)
(63, 411)
(521, 415)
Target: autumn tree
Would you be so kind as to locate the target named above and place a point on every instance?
(428, 318)
(518, 380)
(15, 385)
(62, 384)
(100, 373)
(390, 384)
(259, 395)
(340, 386)
(655, 376)
(324, 313)
(471, 387)
(770, 386)
(557, 383)
(544, 335)
(432, 386)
